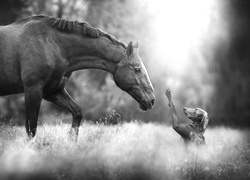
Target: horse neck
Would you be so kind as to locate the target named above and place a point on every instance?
(92, 53)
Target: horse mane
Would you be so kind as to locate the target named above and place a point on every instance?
(83, 28)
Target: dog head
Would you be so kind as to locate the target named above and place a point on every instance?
(197, 115)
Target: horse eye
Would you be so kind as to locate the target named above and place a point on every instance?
(137, 70)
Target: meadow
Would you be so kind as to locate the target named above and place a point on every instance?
(125, 151)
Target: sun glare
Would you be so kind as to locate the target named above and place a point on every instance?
(179, 26)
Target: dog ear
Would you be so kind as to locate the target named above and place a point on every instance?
(204, 121)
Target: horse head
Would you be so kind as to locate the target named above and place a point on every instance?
(132, 77)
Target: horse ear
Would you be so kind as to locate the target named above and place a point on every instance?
(130, 49)
(136, 46)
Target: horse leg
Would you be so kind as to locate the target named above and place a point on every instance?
(64, 100)
(33, 98)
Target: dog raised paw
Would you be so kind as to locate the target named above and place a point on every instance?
(168, 93)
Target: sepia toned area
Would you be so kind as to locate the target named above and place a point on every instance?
(198, 49)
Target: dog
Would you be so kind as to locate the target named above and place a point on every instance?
(194, 131)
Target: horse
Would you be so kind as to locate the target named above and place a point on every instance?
(39, 53)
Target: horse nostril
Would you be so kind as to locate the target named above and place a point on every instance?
(153, 102)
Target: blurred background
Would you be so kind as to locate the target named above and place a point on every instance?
(198, 49)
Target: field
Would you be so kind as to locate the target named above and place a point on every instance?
(127, 151)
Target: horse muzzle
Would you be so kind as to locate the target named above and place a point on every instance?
(148, 102)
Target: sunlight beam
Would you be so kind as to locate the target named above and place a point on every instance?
(179, 27)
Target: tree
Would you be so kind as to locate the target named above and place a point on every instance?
(231, 64)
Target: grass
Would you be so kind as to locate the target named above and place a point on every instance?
(128, 151)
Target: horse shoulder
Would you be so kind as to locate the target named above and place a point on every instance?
(41, 57)
(9, 65)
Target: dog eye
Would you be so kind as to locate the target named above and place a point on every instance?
(137, 70)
